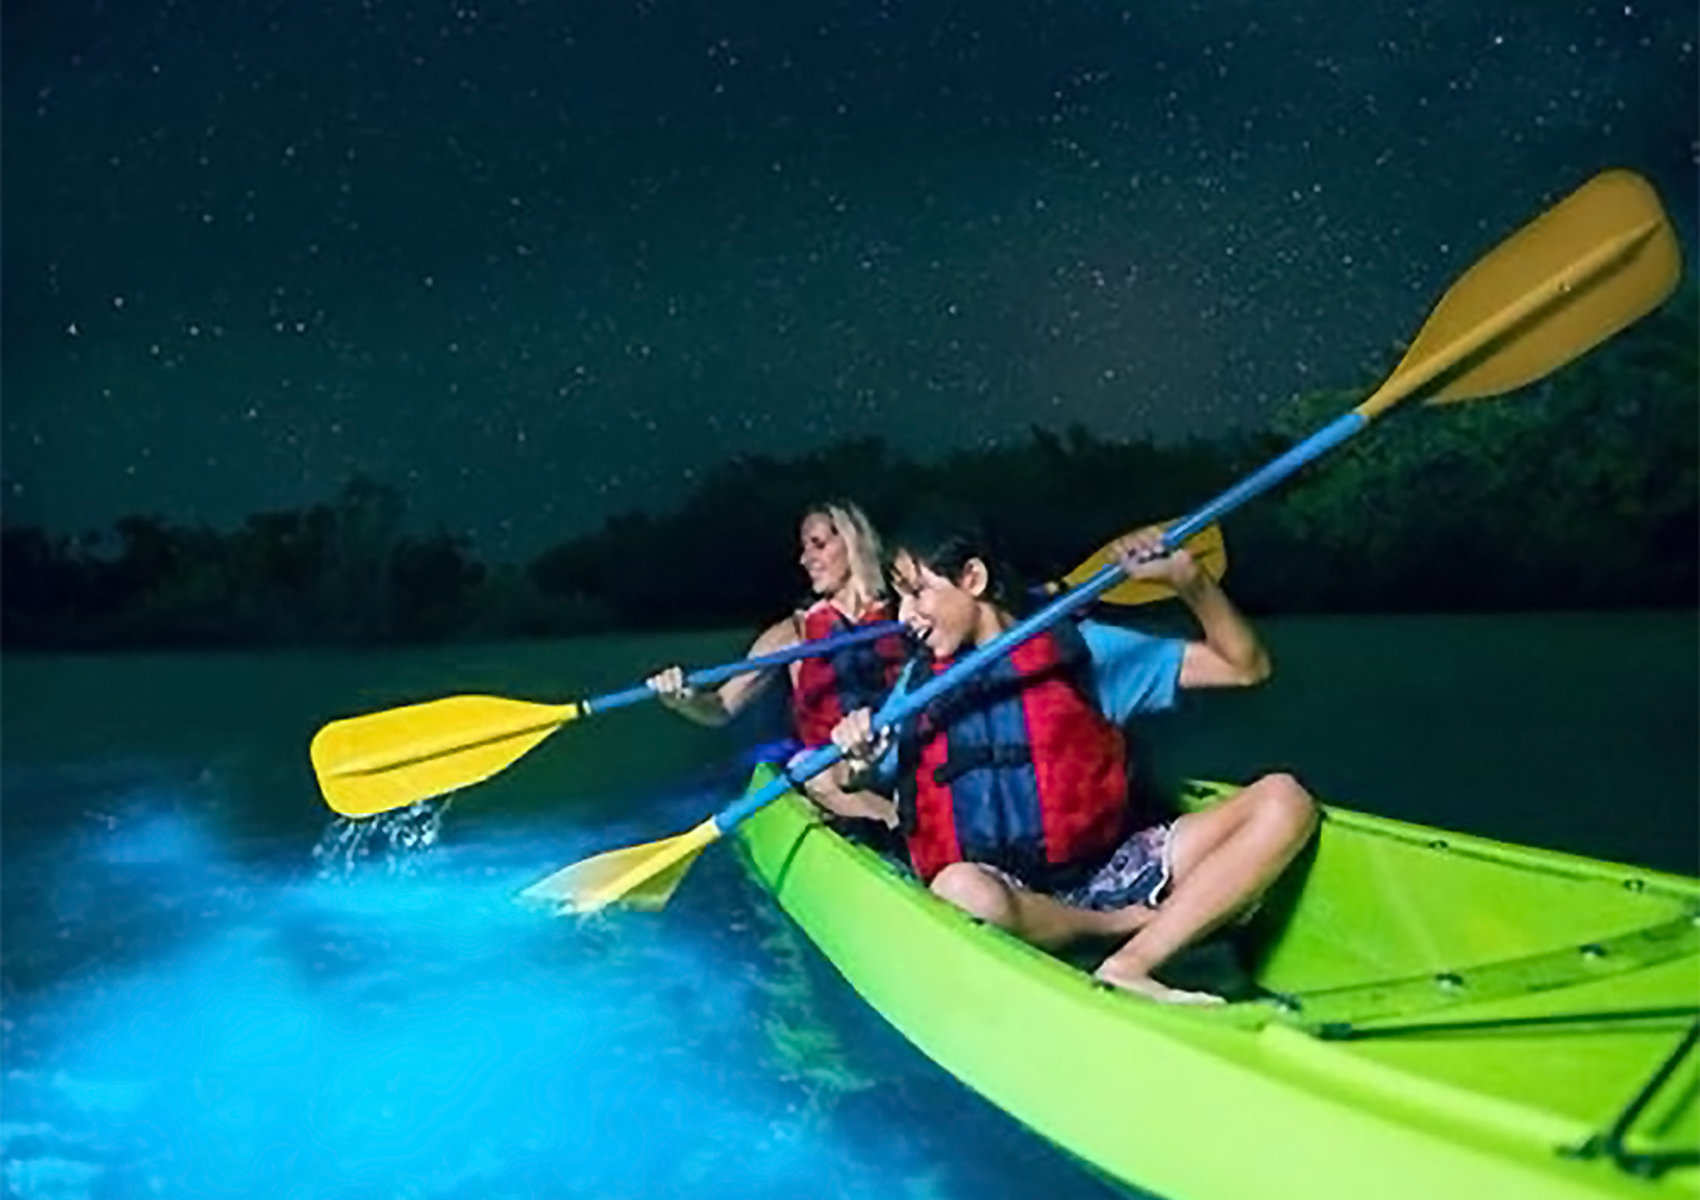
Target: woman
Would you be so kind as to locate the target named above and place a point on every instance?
(1013, 787)
(840, 553)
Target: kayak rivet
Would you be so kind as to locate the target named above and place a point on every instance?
(1449, 981)
(1635, 885)
(1593, 950)
(1438, 844)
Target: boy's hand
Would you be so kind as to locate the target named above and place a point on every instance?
(1135, 551)
(854, 735)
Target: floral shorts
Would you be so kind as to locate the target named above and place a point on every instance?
(1137, 873)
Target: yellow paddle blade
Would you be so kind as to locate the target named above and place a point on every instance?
(1206, 546)
(387, 760)
(638, 876)
(1597, 261)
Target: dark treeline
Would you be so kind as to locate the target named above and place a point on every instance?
(1580, 492)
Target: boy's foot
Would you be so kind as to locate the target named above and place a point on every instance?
(1144, 985)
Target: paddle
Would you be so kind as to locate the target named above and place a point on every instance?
(386, 760)
(391, 759)
(1206, 546)
(1600, 259)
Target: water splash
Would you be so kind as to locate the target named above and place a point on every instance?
(399, 840)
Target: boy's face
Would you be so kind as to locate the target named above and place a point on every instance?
(941, 612)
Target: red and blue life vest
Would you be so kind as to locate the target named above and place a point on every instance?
(1016, 768)
(824, 689)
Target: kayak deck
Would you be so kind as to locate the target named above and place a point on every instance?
(1440, 1015)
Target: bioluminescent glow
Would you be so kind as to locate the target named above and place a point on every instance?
(192, 1024)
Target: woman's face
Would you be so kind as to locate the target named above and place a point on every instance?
(942, 613)
(824, 555)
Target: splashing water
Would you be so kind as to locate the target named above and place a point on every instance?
(399, 840)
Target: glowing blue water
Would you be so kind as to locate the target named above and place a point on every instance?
(189, 1011)
(186, 1017)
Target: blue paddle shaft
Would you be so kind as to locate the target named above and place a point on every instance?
(898, 708)
(709, 676)
(1266, 477)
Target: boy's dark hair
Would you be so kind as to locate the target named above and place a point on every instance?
(942, 535)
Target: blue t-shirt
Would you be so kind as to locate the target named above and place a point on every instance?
(1134, 672)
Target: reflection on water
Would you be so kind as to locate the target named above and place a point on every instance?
(381, 1020)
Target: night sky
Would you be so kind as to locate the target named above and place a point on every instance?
(536, 263)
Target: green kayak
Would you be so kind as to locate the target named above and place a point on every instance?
(1435, 1015)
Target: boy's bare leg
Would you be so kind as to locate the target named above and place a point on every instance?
(1034, 918)
(1223, 860)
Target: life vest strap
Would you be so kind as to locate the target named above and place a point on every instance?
(963, 759)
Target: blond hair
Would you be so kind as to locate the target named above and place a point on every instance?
(861, 544)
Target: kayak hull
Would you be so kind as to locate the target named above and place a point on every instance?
(1442, 1016)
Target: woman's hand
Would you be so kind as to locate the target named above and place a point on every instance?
(670, 688)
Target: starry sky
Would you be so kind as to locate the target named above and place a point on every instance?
(534, 262)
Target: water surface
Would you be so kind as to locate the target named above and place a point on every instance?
(191, 1009)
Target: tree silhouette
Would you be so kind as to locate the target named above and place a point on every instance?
(1580, 492)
